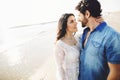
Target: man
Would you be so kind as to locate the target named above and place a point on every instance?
(100, 45)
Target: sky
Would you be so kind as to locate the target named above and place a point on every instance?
(23, 12)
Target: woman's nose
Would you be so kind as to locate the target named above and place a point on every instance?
(76, 22)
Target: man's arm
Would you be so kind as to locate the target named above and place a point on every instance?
(114, 71)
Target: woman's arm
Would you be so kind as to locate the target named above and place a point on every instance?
(59, 57)
(99, 19)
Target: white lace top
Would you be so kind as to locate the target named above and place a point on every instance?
(67, 60)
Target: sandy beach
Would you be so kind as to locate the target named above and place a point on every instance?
(29, 54)
(112, 18)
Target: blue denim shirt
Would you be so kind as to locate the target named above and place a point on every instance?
(103, 46)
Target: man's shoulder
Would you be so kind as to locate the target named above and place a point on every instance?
(112, 31)
(111, 34)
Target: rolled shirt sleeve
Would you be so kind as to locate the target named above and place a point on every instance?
(113, 49)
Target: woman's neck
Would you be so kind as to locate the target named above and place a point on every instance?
(69, 36)
(69, 39)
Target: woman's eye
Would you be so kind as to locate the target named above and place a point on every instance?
(71, 21)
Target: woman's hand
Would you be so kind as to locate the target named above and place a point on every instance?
(99, 19)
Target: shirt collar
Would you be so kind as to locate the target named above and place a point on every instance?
(100, 27)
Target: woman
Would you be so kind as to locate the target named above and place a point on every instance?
(67, 48)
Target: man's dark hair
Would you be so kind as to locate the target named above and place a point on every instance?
(93, 6)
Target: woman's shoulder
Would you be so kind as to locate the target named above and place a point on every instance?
(59, 43)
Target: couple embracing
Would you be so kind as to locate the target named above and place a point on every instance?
(95, 55)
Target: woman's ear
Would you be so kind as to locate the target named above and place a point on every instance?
(87, 14)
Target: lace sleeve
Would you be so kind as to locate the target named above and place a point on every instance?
(59, 57)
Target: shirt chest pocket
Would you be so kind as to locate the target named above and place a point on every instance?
(96, 44)
(96, 48)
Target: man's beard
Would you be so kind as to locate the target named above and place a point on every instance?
(83, 25)
(84, 22)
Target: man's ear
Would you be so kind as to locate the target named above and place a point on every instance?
(87, 14)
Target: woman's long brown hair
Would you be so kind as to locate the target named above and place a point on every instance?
(62, 25)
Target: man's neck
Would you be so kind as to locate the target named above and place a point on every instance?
(92, 24)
